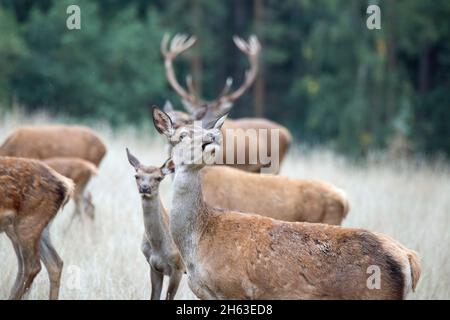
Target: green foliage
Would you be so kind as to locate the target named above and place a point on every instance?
(107, 70)
(12, 49)
(326, 76)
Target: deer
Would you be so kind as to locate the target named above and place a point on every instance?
(243, 129)
(79, 171)
(31, 194)
(234, 255)
(43, 142)
(269, 195)
(274, 196)
(157, 244)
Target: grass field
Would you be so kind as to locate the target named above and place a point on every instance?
(410, 202)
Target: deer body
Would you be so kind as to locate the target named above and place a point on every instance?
(43, 142)
(232, 255)
(31, 194)
(273, 196)
(79, 171)
(157, 245)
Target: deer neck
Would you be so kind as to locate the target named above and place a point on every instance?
(156, 228)
(189, 212)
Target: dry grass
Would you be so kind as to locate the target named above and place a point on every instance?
(409, 202)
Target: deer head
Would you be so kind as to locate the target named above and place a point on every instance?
(149, 177)
(194, 104)
(192, 145)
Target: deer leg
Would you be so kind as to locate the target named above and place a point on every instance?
(15, 241)
(78, 199)
(174, 282)
(157, 282)
(29, 246)
(89, 207)
(77, 210)
(52, 262)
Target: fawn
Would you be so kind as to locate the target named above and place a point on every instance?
(157, 245)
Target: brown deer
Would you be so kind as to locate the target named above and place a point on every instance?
(43, 142)
(240, 130)
(31, 194)
(273, 196)
(157, 245)
(79, 171)
(231, 255)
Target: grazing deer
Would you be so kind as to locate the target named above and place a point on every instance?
(157, 245)
(79, 171)
(231, 255)
(31, 194)
(273, 196)
(43, 142)
(243, 129)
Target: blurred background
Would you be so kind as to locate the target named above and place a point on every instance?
(323, 74)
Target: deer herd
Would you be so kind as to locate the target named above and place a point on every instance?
(236, 232)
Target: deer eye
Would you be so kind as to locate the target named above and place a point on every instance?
(159, 179)
(183, 135)
(136, 176)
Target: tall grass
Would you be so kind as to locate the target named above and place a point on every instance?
(409, 201)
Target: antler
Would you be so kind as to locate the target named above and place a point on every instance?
(191, 98)
(178, 45)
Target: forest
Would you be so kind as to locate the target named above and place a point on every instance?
(323, 73)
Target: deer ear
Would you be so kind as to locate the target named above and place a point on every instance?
(168, 167)
(133, 160)
(219, 122)
(168, 107)
(162, 122)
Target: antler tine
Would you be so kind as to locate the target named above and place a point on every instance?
(179, 44)
(227, 87)
(190, 85)
(164, 43)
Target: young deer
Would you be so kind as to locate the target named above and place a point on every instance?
(230, 255)
(79, 171)
(31, 194)
(43, 142)
(239, 129)
(157, 245)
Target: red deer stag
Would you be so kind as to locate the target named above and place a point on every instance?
(249, 140)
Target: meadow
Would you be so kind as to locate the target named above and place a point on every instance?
(408, 200)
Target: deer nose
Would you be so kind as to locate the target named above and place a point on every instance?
(145, 189)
